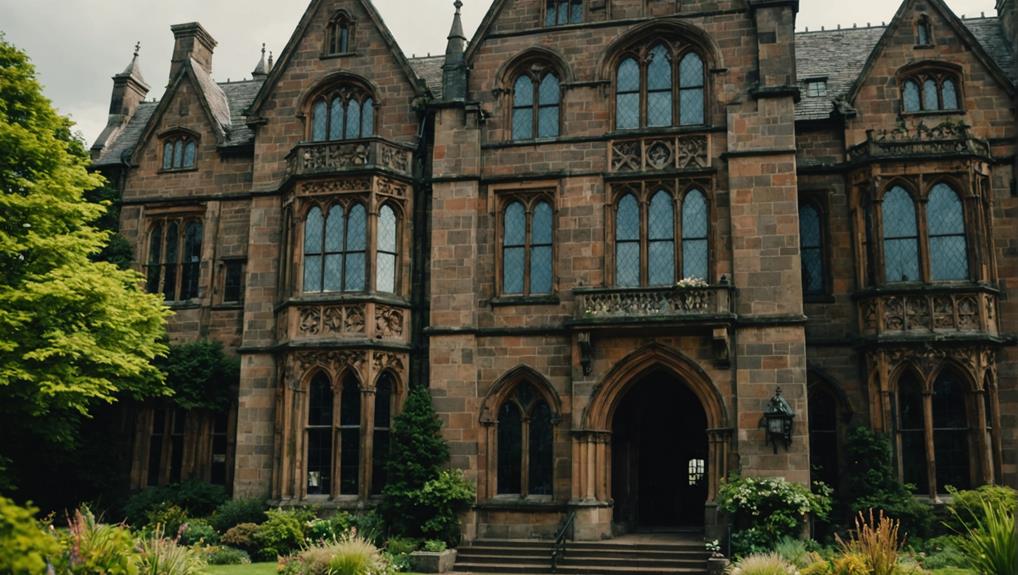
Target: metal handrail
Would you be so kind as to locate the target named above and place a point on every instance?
(558, 550)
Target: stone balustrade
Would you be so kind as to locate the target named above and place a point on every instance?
(639, 304)
(324, 158)
(929, 310)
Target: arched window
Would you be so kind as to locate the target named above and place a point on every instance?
(527, 264)
(385, 276)
(933, 90)
(383, 421)
(931, 97)
(695, 228)
(946, 225)
(911, 96)
(349, 437)
(923, 35)
(661, 239)
(174, 258)
(339, 35)
(334, 250)
(659, 88)
(911, 433)
(558, 12)
(179, 152)
(318, 436)
(949, 95)
(525, 444)
(536, 107)
(627, 242)
(356, 246)
(627, 95)
(348, 114)
(691, 90)
(823, 435)
(811, 248)
(951, 432)
(645, 95)
(313, 250)
(901, 237)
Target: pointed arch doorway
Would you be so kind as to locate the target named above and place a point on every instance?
(659, 456)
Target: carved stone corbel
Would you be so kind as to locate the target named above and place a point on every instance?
(722, 347)
(586, 352)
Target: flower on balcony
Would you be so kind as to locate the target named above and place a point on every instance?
(688, 283)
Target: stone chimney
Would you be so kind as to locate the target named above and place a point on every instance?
(1007, 12)
(129, 91)
(192, 41)
(454, 71)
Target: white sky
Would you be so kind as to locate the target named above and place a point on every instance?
(78, 45)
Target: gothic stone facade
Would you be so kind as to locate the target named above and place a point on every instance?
(603, 233)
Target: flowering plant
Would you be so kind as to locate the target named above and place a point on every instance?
(686, 283)
(766, 510)
(713, 547)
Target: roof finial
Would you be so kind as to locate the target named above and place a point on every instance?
(272, 63)
(133, 69)
(262, 69)
(458, 4)
(137, 48)
(454, 75)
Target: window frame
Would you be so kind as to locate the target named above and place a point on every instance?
(226, 265)
(529, 198)
(644, 192)
(333, 35)
(526, 421)
(571, 6)
(818, 201)
(345, 92)
(641, 54)
(938, 73)
(176, 145)
(347, 205)
(923, 23)
(397, 212)
(822, 90)
(178, 269)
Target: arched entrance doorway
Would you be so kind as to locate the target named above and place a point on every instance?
(660, 456)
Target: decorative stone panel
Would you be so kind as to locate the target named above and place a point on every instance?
(925, 311)
(657, 153)
(600, 305)
(324, 158)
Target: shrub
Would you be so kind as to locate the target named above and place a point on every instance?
(872, 483)
(965, 504)
(876, 540)
(351, 555)
(221, 555)
(435, 546)
(941, 552)
(442, 499)
(161, 556)
(402, 545)
(759, 564)
(197, 498)
(822, 567)
(199, 532)
(168, 518)
(851, 564)
(201, 375)
(281, 534)
(795, 551)
(766, 510)
(329, 529)
(370, 526)
(241, 536)
(237, 511)
(96, 548)
(990, 542)
(25, 545)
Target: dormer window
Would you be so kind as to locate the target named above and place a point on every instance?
(179, 152)
(340, 34)
(931, 91)
(345, 113)
(559, 12)
(816, 88)
(923, 32)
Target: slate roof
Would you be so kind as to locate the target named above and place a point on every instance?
(840, 55)
(125, 142)
(429, 69)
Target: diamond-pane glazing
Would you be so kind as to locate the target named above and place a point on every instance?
(336, 120)
(694, 259)
(809, 227)
(319, 121)
(385, 280)
(168, 155)
(661, 217)
(899, 214)
(333, 272)
(901, 260)
(949, 402)
(627, 220)
(911, 96)
(945, 212)
(551, 12)
(694, 215)
(547, 122)
(189, 153)
(542, 225)
(812, 270)
(549, 90)
(541, 450)
(523, 123)
(659, 69)
(661, 264)
(948, 244)
(515, 232)
(387, 229)
(513, 270)
(334, 229)
(312, 273)
(313, 231)
(659, 109)
(510, 449)
(353, 120)
(930, 101)
(178, 154)
(691, 71)
(523, 91)
(368, 119)
(563, 12)
(949, 258)
(627, 264)
(627, 111)
(355, 271)
(540, 269)
(950, 95)
(356, 233)
(691, 107)
(629, 76)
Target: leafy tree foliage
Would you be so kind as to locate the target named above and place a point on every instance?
(75, 333)
(201, 375)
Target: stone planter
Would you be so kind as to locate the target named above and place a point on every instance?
(717, 565)
(426, 562)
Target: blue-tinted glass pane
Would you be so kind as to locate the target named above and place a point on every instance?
(691, 71)
(694, 259)
(334, 229)
(540, 269)
(694, 215)
(192, 242)
(542, 224)
(336, 120)
(627, 264)
(899, 214)
(168, 156)
(949, 258)
(189, 154)
(313, 231)
(659, 109)
(523, 91)
(911, 96)
(945, 212)
(627, 220)
(691, 107)
(812, 270)
(385, 278)
(368, 119)
(629, 76)
(353, 120)
(550, 13)
(549, 90)
(312, 273)
(178, 154)
(563, 12)
(356, 233)
(627, 111)
(513, 270)
(662, 217)
(901, 260)
(523, 123)
(661, 267)
(355, 272)
(950, 95)
(333, 272)
(809, 227)
(548, 122)
(577, 14)
(930, 101)
(320, 401)
(948, 246)
(659, 69)
(515, 233)
(387, 229)
(923, 34)
(319, 122)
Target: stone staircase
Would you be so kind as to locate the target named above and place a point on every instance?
(631, 554)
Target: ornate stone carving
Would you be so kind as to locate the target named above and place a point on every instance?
(337, 186)
(693, 152)
(310, 320)
(947, 138)
(331, 320)
(353, 321)
(627, 156)
(659, 155)
(652, 302)
(388, 322)
(392, 188)
(387, 360)
(927, 359)
(329, 157)
(333, 360)
(395, 159)
(656, 154)
(919, 312)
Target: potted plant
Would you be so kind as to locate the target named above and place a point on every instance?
(435, 557)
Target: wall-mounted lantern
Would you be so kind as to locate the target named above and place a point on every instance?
(777, 420)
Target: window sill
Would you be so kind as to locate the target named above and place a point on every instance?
(645, 131)
(187, 304)
(504, 301)
(515, 502)
(231, 306)
(326, 56)
(819, 299)
(177, 170)
(927, 113)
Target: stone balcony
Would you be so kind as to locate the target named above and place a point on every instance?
(925, 312)
(330, 158)
(343, 317)
(617, 306)
(660, 153)
(947, 139)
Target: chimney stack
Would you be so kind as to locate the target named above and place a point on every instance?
(1007, 12)
(194, 42)
(129, 91)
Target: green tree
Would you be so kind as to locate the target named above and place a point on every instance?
(75, 333)
(201, 374)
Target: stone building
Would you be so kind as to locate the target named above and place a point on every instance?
(604, 233)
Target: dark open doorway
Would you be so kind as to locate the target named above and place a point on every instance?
(659, 456)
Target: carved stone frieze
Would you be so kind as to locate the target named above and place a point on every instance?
(918, 312)
(333, 157)
(388, 322)
(653, 302)
(331, 320)
(336, 186)
(310, 320)
(947, 138)
(335, 361)
(383, 360)
(657, 154)
(394, 188)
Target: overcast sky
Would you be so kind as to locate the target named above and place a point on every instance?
(77, 45)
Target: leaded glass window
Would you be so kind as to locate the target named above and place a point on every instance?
(661, 239)
(541, 450)
(510, 449)
(811, 248)
(536, 107)
(356, 246)
(514, 239)
(691, 90)
(346, 116)
(349, 437)
(314, 226)
(923, 32)
(353, 120)
(335, 249)
(823, 435)
(526, 435)
(548, 107)
(931, 100)
(695, 229)
(949, 95)
(527, 247)
(383, 422)
(386, 257)
(627, 242)
(911, 96)
(911, 431)
(339, 34)
(320, 120)
(155, 259)
(558, 12)
(901, 237)
(174, 258)
(541, 232)
(659, 88)
(191, 267)
(930, 92)
(332, 266)
(179, 153)
(318, 436)
(950, 432)
(627, 95)
(946, 225)
(523, 108)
